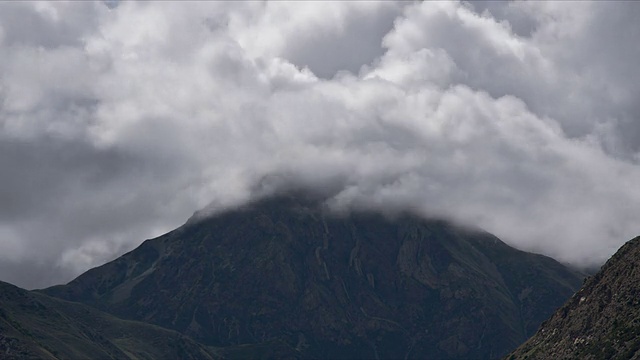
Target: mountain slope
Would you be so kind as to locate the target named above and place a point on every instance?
(601, 321)
(332, 287)
(35, 326)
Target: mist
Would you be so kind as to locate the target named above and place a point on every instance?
(118, 122)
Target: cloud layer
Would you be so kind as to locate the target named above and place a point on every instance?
(117, 124)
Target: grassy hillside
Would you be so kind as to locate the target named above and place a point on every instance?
(36, 326)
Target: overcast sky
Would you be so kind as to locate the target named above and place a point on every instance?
(117, 123)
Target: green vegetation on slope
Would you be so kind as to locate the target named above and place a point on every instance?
(36, 326)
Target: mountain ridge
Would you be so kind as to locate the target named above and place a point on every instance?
(35, 326)
(360, 284)
(601, 321)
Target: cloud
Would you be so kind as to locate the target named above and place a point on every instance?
(117, 123)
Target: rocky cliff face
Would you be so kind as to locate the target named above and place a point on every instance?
(283, 272)
(601, 321)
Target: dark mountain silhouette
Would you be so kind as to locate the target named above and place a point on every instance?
(35, 326)
(282, 278)
(601, 321)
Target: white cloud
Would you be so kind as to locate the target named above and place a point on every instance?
(116, 124)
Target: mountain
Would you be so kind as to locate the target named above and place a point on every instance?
(282, 276)
(601, 321)
(35, 326)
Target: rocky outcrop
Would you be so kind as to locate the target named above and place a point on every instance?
(601, 321)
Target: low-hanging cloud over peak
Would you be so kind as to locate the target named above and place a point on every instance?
(116, 123)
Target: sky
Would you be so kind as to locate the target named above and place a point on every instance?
(119, 120)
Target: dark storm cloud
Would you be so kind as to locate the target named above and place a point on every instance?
(116, 124)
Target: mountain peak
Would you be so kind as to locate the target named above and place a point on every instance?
(284, 271)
